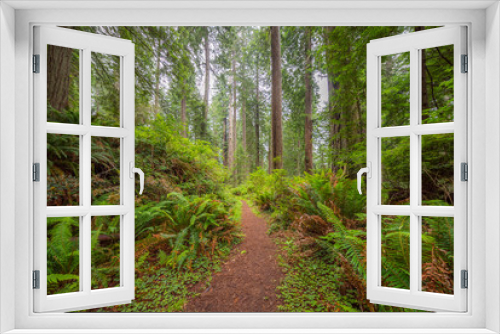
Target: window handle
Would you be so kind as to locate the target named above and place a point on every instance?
(368, 171)
(134, 170)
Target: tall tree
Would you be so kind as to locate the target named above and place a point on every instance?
(308, 103)
(59, 61)
(207, 82)
(425, 94)
(276, 112)
(334, 113)
(232, 111)
(257, 116)
(184, 124)
(157, 73)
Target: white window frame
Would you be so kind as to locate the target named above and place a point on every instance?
(484, 103)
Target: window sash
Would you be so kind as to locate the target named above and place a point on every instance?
(412, 43)
(86, 297)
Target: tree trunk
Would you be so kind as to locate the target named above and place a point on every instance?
(335, 113)
(224, 144)
(58, 76)
(232, 112)
(308, 104)
(244, 136)
(183, 117)
(257, 117)
(244, 126)
(276, 116)
(204, 125)
(157, 78)
(269, 157)
(425, 94)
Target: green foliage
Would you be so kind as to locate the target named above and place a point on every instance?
(197, 226)
(62, 255)
(326, 257)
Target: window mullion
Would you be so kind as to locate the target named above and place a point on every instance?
(414, 171)
(85, 246)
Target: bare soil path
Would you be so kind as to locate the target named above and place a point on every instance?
(248, 279)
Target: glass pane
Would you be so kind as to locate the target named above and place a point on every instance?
(395, 89)
(63, 255)
(105, 252)
(437, 169)
(63, 170)
(437, 84)
(105, 89)
(437, 254)
(395, 170)
(396, 252)
(105, 171)
(63, 85)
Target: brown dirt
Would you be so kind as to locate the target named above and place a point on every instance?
(248, 280)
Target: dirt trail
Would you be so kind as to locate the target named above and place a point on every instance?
(248, 279)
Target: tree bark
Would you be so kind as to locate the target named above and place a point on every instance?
(308, 104)
(157, 77)
(224, 144)
(232, 112)
(425, 94)
(183, 117)
(276, 94)
(257, 117)
(58, 76)
(207, 85)
(244, 126)
(335, 113)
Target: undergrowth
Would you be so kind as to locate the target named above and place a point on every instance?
(318, 221)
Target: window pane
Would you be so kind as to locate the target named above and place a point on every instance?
(63, 255)
(105, 89)
(437, 254)
(437, 169)
(395, 170)
(437, 84)
(105, 252)
(396, 252)
(395, 89)
(105, 171)
(63, 170)
(63, 85)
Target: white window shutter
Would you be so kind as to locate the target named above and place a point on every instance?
(414, 297)
(85, 297)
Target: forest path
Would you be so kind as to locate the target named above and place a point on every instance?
(248, 279)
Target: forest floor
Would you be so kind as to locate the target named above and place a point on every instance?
(248, 279)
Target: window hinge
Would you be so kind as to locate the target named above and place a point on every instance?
(465, 64)
(36, 172)
(464, 172)
(465, 279)
(36, 279)
(36, 63)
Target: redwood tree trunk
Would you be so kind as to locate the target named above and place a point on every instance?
(232, 113)
(244, 125)
(58, 76)
(276, 115)
(183, 117)
(425, 94)
(224, 143)
(207, 85)
(257, 117)
(335, 113)
(308, 104)
(157, 78)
